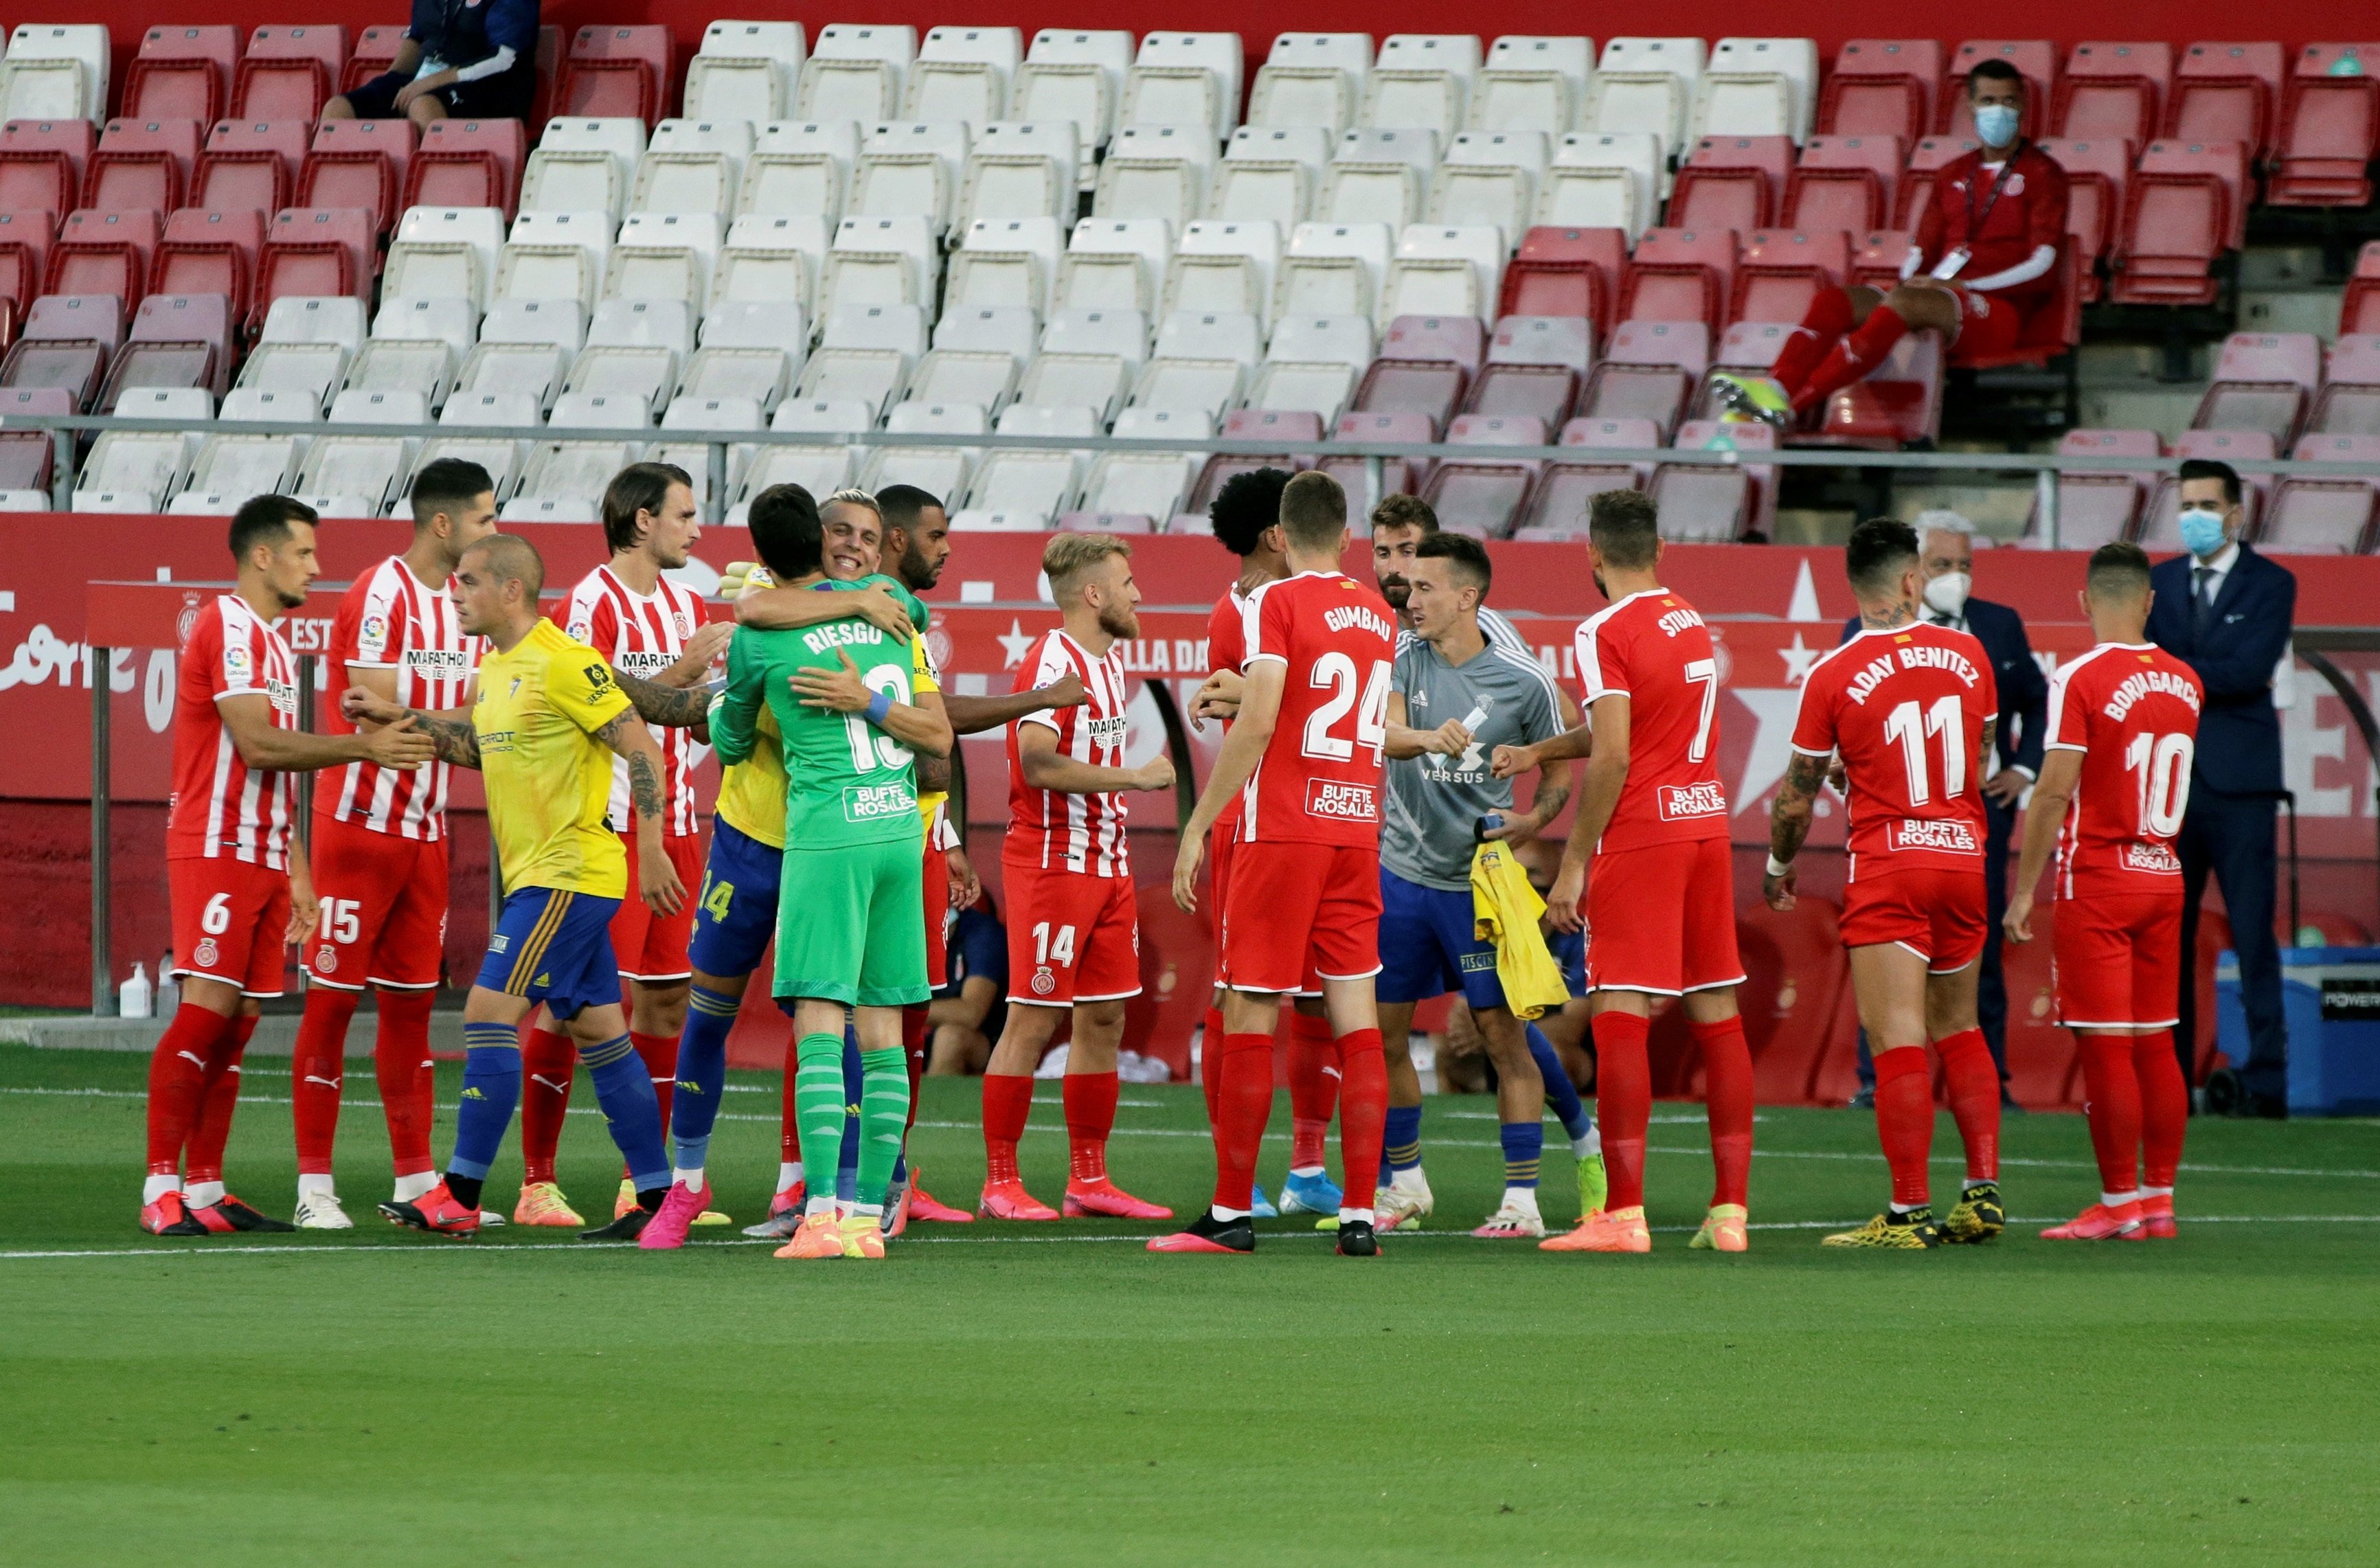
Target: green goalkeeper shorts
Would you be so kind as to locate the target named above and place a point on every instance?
(851, 925)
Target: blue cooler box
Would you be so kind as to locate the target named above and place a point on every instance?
(2330, 997)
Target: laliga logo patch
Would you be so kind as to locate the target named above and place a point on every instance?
(327, 961)
(1044, 982)
(206, 953)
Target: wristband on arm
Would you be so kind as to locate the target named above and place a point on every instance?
(878, 707)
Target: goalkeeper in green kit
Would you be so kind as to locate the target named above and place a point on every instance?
(844, 697)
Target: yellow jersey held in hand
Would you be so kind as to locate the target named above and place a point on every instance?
(548, 779)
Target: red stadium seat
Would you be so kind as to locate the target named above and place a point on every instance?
(1845, 182)
(1566, 272)
(41, 163)
(104, 253)
(375, 55)
(1409, 386)
(2330, 124)
(1482, 496)
(205, 252)
(1544, 392)
(1731, 182)
(1917, 181)
(181, 73)
(2035, 60)
(177, 340)
(1460, 340)
(1882, 87)
(1286, 426)
(467, 164)
(2226, 163)
(313, 252)
(26, 455)
(142, 164)
(1898, 403)
(2264, 381)
(1679, 276)
(2114, 91)
(548, 76)
(24, 255)
(2096, 172)
(2360, 311)
(2225, 92)
(1557, 507)
(1649, 372)
(1398, 475)
(2098, 506)
(1779, 273)
(1747, 347)
(619, 72)
(1703, 504)
(2350, 403)
(2325, 515)
(1879, 256)
(289, 72)
(250, 166)
(2178, 219)
(358, 164)
(2048, 332)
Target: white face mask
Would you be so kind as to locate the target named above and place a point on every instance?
(1947, 594)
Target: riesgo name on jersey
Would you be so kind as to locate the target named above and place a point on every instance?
(222, 808)
(393, 622)
(1653, 649)
(2133, 710)
(1320, 779)
(1053, 829)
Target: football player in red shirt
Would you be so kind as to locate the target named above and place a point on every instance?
(235, 869)
(1910, 707)
(1303, 768)
(1661, 906)
(1985, 265)
(2123, 728)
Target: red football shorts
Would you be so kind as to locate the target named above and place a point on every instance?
(1298, 913)
(1937, 912)
(937, 918)
(2115, 960)
(1989, 327)
(651, 948)
(1660, 919)
(231, 920)
(1070, 938)
(1222, 841)
(384, 908)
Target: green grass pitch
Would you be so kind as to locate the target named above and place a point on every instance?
(1047, 1395)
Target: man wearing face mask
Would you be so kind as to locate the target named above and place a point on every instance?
(1985, 264)
(2226, 612)
(1947, 546)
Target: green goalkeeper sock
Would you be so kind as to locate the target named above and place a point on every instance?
(819, 1108)
(883, 1116)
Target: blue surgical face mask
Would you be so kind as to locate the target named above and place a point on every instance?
(2201, 531)
(1996, 124)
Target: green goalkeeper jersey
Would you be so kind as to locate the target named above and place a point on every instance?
(847, 780)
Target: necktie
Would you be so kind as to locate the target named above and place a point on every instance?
(2202, 597)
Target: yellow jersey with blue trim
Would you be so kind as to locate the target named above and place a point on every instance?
(548, 779)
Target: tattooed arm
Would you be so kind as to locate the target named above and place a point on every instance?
(671, 707)
(1788, 824)
(449, 730)
(657, 882)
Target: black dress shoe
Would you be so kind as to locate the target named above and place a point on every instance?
(1863, 1100)
(2008, 1103)
(2264, 1107)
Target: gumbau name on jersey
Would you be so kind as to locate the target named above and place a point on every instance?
(1346, 802)
(840, 634)
(2144, 683)
(1672, 621)
(1913, 656)
(1340, 617)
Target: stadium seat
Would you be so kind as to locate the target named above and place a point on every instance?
(288, 73)
(472, 164)
(962, 74)
(204, 253)
(2359, 309)
(1759, 87)
(1604, 180)
(108, 252)
(252, 166)
(1269, 173)
(1248, 424)
(1880, 257)
(1184, 78)
(1489, 178)
(1008, 261)
(2097, 175)
(181, 73)
(623, 72)
(1703, 503)
(1899, 405)
(1843, 182)
(1557, 508)
(2225, 163)
(1731, 182)
(1777, 274)
(2263, 382)
(141, 163)
(2113, 92)
(856, 73)
(1379, 177)
(1679, 276)
(746, 70)
(41, 164)
(1431, 389)
(2225, 92)
(2160, 530)
(56, 71)
(176, 341)
(2329, 127)
(1118, 264)
(1566, 272)
(2099, 506)
(1075, 76)
(799, 169)
(2035, 60)
(1747, 347)
(2349, 401)
(668, 256)
(586, 166)
(1916, 190)
(66, 344)
(1648, 372)
(374, 55)
(2179, 216)
(554, 256)
(1223, 267)
(358, 164)
(1154, 172)
(313, 252)
(2311, 516)
(1645, 84)
(1881, 87)
(425, 366)
(1422, 79)
(909, 168)
(1532, 82)
(454, 322)
(1546, 392)
(1484, 496)
(1017, 168)
(691, 166)
(1442, 270)
(1564, 341)
(24, 256)
(1311, 81)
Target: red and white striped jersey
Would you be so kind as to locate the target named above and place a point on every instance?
(391, 620)
(1320, 779)
(220, 806)
(643, 635)
(1049, 827)
(2133, 710)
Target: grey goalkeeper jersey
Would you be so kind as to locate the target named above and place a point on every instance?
(1504, 698)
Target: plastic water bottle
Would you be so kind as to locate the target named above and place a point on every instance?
(133, 1000)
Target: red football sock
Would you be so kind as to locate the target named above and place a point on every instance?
(1090, 1117)
(1007, 1101)
(1727, 1094)
(1624, 1102)
(548, 1060)
(1363, 1113)
(914, 1030)
(1974, 1083)
(408, 1082)
(1822, 327)
(2113, 1108)
(217, 1100)
(2165, 1106)
(316, 1069)
(1904, 1120)
(658, 1053)
(1244, 1092)
(1313, 1088)
(178, 1071)
(1852, 357)
(1210, 1066)
(789, 1129)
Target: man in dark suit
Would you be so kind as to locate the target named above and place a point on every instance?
(2226, 612)
(1947, 542)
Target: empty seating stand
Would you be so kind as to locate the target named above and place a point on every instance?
(288, 73)
(182, 73)
(620, 72)
(2329, 126)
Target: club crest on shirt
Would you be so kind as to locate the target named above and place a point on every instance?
(327, 961)
(1953, 835)
(1044, 982)
(206, 953)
